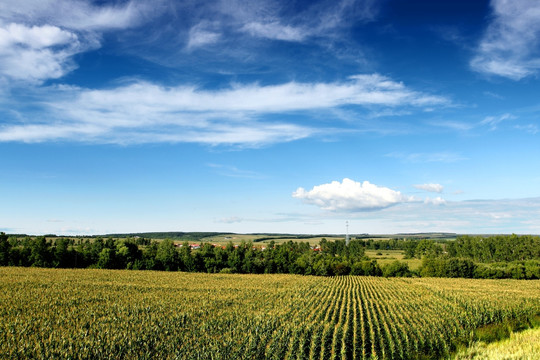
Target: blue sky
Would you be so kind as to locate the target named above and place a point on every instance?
(269, 116)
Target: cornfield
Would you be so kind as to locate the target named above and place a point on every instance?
(116, 314)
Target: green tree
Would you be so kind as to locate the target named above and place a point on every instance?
(149, 254)
(187, 261)
(167, 255)
(4, 249)
(39, 252)
(63, 256)
(127, 253)
(106, 259)
(396, 269)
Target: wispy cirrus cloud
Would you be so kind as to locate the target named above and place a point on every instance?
(443, 157)
(233, 171)
(510, 45)
(529, 128)
(230, 220)
(362, 90)
(80, 15)
(271, 19)
(202, 34)
(493, 121)
(275, 30)
(453, 125)
(141, 112)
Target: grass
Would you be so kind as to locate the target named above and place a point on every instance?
(255, 238)
(384, 257)
(523, 345)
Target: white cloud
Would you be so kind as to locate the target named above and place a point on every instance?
(510, 45)
(438, 188)
(351, 196)
(230, 220)
(267, 19)
(202, 34)
(500, 215)
(233, 171)
(361, 90)
(436, 201)
(38, 39)
(529, 128)
(443, 157)
(494, 121)
(453, 125)
(213, 133)
(145, 112)
(275, 30)
(36, 53)
(35, 37)
(78, 14)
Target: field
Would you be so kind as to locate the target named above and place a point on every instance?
(114, 314)
(261, 239)
(384, 257)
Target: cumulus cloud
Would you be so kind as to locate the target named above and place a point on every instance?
(352, 196)
(511, 43)
(438, 188)
(145, 112)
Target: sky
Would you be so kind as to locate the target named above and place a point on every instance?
(396, 116)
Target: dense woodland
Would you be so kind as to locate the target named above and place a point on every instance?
(501, 256)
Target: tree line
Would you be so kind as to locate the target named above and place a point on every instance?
(485, 257)
(468, 256)
(144, 254)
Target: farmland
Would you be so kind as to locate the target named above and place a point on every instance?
(98, 314)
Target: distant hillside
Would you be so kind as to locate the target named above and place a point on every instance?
(428, 235)
(198, 236)
(173, 235)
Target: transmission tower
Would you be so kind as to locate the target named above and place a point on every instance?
(347, 234)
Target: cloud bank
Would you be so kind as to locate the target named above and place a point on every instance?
(351, 196)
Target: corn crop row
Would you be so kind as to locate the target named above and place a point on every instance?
(102, 314)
